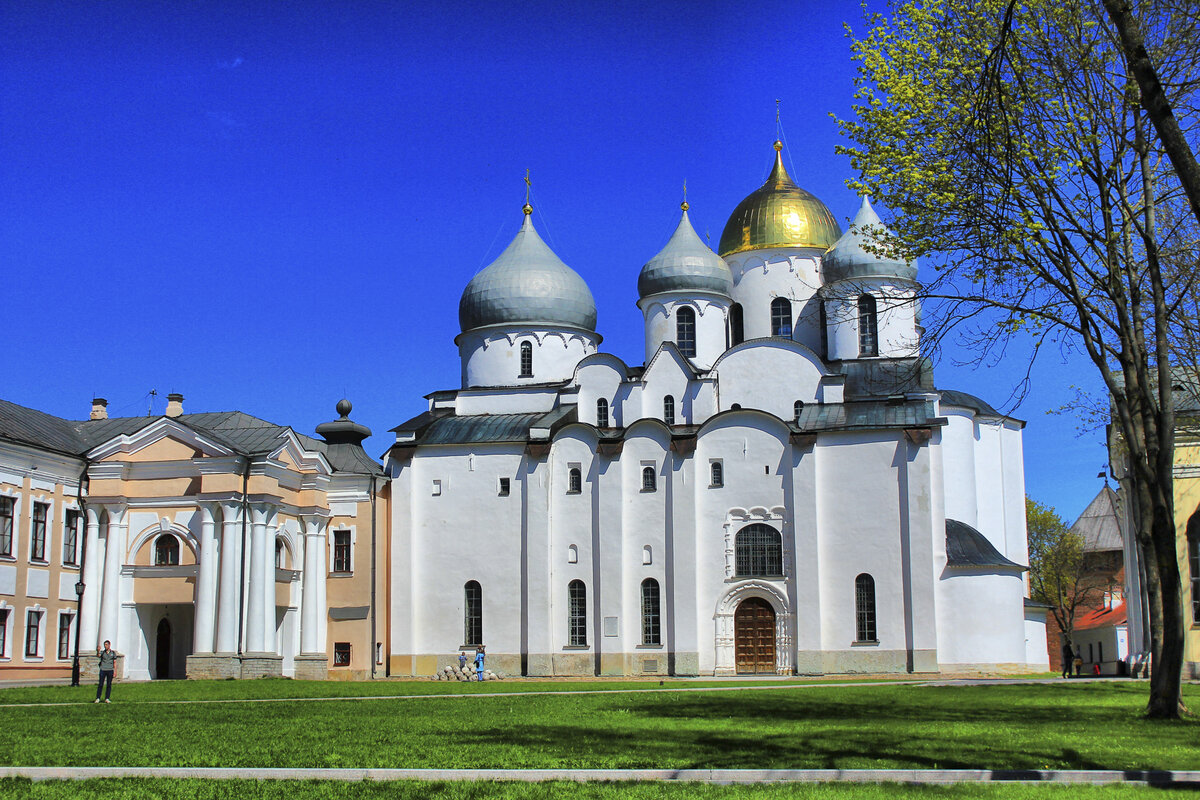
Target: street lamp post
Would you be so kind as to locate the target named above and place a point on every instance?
(79, 587)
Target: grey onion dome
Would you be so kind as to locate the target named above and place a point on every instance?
(686, 264)
(528, 284)
(851, 256)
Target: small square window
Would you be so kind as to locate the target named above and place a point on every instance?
(504, 487)
(574, 479)
(341, 654)
(437, 488)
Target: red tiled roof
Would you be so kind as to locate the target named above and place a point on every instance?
(1101, 618)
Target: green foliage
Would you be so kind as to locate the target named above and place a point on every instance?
(1075, 726)
(137, 789)
(1057, 564)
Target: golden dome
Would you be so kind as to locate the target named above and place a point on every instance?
(779, 214)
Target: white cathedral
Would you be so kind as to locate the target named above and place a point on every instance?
(780, 488)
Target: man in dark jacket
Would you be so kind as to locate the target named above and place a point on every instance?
(108, 660)
(1068, 656)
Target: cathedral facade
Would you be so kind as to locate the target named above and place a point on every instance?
(779, 488)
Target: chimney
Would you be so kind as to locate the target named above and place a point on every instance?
(99, 408)
(174, 404)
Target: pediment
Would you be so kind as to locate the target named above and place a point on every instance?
(292, 453)
(163, 439)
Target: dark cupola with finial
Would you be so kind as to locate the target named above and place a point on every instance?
(343, 442)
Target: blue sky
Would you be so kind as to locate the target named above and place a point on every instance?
(266, 207)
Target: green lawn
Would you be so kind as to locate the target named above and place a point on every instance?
(136, 789)
(1077, 726)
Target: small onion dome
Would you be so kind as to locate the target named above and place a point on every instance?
(343, 430)
(851, 256)
(685, 264)
(527, 285)
(779, 214)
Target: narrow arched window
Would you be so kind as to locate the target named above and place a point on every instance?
(574, 481)
(758, 550)
(685, 331)
(651, 616)
(602, 413)
(669, 410)
(576, 614)
(797, 410)
(868, 327)
(166, 551)
(526, 360)
(649, 484)
(781, 317)
(737, 325)
(1193, 548)
(717, 474)
(473, 614)
(864, 608)
(280, 555)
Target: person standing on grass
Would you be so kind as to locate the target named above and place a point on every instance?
(1068, 655)
(479, 663)
(108, 660)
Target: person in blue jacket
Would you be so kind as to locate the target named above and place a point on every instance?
(462, 660)
(479, 663)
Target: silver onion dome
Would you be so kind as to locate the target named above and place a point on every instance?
(859, 253)
(527, 284)
(686, 264)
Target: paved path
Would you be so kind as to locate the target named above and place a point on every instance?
(1166, 778)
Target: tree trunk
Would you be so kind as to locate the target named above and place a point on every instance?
(1167, 670)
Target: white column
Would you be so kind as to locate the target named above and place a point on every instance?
(256, 641)
(110, 598)
(89, 612)
(229, 611)
(206, 583)
(270, 638)
(312, 606)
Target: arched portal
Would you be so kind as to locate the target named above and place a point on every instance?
(754, 636)
(162, 650)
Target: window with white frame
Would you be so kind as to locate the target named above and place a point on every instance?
(602, 413)
(70, 537)
(4, 618)
(341, 551)
(574, 480)
(166, 551)
(797, 410)
(651, 617)
(716, 471)
(6, 526)
(33, 633)
(685, 331)
(864, 608)
(65, 620)
(37, 532)
(526, 360)
(868, 327)
(577, 614)
(758, 551)
(669, 410)
(781, 317)
(649, 479)
(504, 489)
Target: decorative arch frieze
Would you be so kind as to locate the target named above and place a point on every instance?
(774, 593)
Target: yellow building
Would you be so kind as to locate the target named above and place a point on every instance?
(206, 545)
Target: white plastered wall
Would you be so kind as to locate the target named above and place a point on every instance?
(492, 356)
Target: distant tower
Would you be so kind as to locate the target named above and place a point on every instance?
(526, 318)
(684, 295)
(773, 242)
(870, 298)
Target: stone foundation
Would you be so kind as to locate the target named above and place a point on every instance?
(89, 668)
(213, 666)
(312, 667)
(262, 665)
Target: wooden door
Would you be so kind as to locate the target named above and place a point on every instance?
(754, 636)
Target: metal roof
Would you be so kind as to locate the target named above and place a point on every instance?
(39, 429)
(967, 547)
(479, 428)
(867, 414)
(950, 397)
(1098, 525)
(685, 264)
(851, 256)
